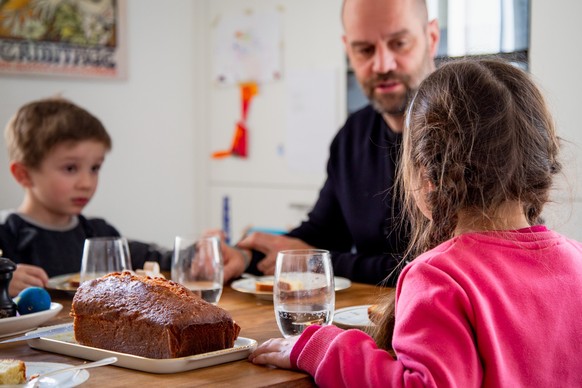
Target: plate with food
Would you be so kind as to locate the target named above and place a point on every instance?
(68, 282)
(20, 372)
(22, 323)
(262, 286)
(355, 317)
(65, 343)
(71, 281)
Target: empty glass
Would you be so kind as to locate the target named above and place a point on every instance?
(198, 265)
(303, 292)
(103, 255)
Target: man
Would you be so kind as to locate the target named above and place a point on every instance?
(391, 46)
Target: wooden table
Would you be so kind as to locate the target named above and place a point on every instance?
(257, 321)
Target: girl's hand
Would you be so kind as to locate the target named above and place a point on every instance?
(276, 352)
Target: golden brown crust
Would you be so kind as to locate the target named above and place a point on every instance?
(149, 317)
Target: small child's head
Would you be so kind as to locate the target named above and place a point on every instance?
(56, 150)
(478, 135)
(41, 125)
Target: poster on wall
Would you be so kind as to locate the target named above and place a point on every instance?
(247, 47)
(79, 38)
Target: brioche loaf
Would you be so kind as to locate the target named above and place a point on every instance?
(148, 317)
(12, 372)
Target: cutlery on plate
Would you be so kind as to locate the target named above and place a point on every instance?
(35, 382)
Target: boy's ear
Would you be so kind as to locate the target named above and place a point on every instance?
(20, 173)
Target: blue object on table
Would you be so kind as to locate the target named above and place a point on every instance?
(226, 218)
(33, 300)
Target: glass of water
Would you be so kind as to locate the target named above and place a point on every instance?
(303, 292)
(197, 264)
(103, 255)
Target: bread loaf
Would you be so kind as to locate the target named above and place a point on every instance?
(12, 372)
(264, 285)
(74, 280)
(148, 317)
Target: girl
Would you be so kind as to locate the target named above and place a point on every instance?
(495, 300)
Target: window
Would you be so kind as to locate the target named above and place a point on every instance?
(483, 27)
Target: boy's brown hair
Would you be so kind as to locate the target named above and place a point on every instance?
(39, 126)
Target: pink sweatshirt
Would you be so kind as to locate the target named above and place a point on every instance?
(483, 309)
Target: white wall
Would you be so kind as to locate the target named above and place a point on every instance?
(264, 190)
(555, 58)
(147, 186)
(164, 119)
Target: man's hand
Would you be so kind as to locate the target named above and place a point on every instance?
(234, 259)
(270, 245)
(27, 276)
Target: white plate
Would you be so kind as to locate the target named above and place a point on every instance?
(65, 343)
(20, 324)
(61, 380)
(247, 285)
(355, 317)
(61, 283)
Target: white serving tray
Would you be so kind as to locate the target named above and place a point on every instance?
(65, 343)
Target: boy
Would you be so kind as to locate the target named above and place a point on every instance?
(56, 150)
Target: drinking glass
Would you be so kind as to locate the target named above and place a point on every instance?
(303, 291)
(198, 265)
(103, 255)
